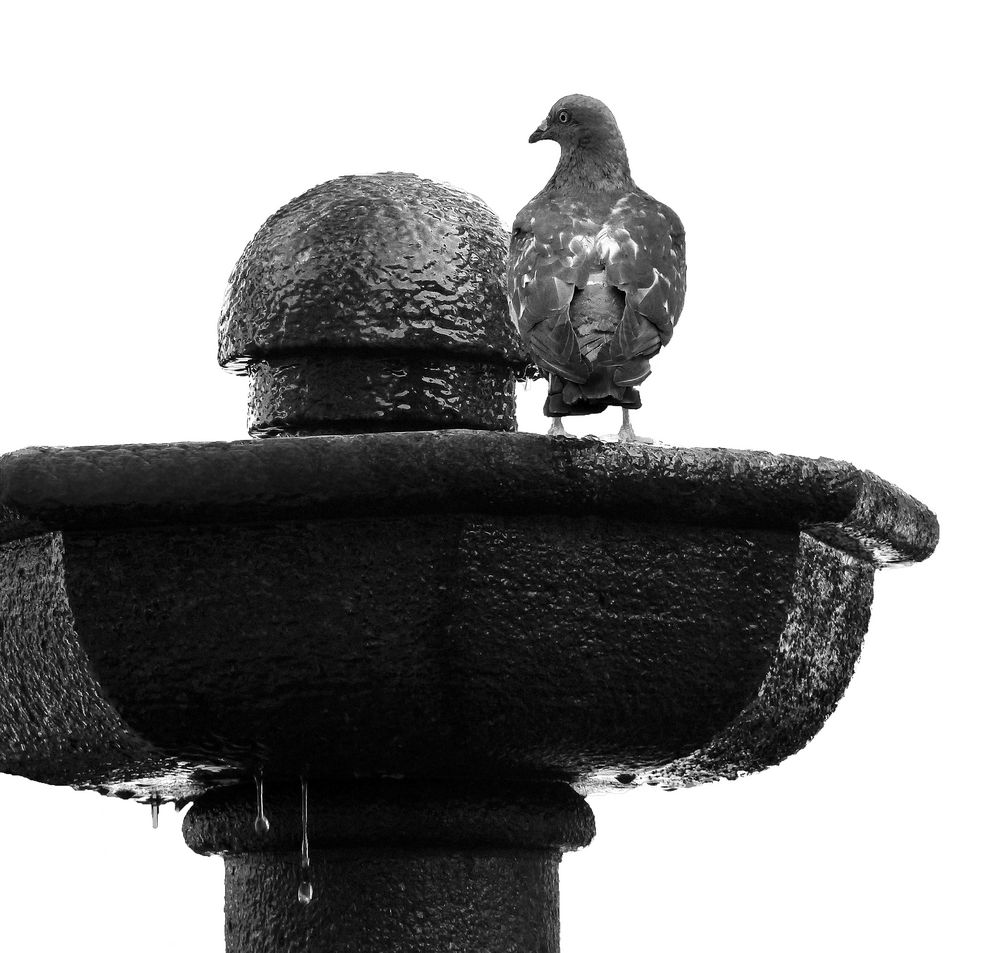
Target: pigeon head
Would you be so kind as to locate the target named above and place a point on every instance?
(578, 120)
(593, 151)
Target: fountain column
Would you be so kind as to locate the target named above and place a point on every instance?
(394, 865)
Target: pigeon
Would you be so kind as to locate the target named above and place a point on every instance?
(596, 273)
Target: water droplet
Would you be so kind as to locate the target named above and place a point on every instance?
(305, 885)
(154, 810)
(261, 824)
(305, 891)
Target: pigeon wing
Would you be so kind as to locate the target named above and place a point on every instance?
(549, 252)
(642, 248)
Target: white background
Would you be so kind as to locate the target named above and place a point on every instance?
(836, 169)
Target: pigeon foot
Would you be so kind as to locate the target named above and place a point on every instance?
(630, 436)
(627, 434)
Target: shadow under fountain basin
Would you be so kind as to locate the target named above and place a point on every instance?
(441, 604)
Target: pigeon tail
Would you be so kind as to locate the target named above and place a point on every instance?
(598, 392)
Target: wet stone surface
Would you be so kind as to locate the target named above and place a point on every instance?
(375, 302)
(56, 488)
(395, 901)
(415, 639)
(443, 604)
(340, 392)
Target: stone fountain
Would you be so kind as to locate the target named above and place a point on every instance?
(388, 653)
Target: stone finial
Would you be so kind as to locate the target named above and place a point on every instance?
(374, 303)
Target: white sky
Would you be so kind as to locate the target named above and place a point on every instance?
(836, 168)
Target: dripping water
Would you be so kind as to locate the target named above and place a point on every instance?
(261, 825)
(305, 884)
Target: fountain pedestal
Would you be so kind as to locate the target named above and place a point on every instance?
(395, 866)
(443, 629)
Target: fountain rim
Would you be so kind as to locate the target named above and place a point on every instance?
(48, 489)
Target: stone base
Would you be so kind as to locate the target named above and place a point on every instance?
(394, 866)
(486, 901)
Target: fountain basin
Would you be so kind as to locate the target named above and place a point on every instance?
(443, 604)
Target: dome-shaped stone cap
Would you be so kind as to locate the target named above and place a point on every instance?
(387, 262)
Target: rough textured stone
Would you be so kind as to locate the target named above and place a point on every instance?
(52, 488)
(358, 282)
(440, 605)
(395, 901)
(809, 672)
(348, 393)
(56, 723)
(46, 684)
(429, 646)
(395, 865)
(362, 262)
(439, 629)
(412, 814)
(477, 616)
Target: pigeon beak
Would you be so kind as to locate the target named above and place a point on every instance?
(541, 132)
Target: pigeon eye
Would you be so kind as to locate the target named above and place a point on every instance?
(563, 116)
